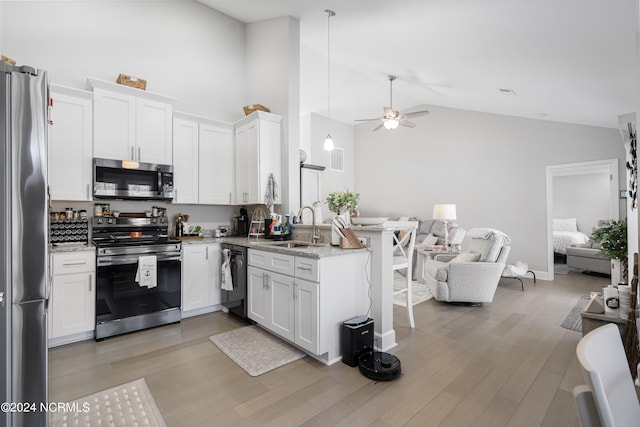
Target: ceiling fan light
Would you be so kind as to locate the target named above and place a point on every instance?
(328, 143)
(391, 124)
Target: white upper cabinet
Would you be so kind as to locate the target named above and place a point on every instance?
(216, 164)
(131, 124)
(185, 159)
(257, 155)
(203, 160)
(69, 149)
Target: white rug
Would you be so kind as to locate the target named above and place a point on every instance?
(254, 350)
(129, 404)
(420, 292)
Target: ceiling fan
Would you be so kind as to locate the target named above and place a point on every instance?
(392, 118)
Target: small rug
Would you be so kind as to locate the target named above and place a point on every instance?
(129, 404)
(419, 292)
(573, 321)
(254, 350)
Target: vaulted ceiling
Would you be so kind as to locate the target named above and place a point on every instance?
(569, 61)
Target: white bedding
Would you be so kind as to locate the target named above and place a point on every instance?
(564, 239)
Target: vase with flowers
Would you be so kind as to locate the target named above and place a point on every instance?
(343, 203)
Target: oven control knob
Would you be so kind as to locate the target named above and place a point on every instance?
(110, 221)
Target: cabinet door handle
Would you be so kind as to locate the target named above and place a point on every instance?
(133, 155)
(229, 197)
(90, 280)
(88, 191)
(139, 153)
(207, 252)
(264, 278)
(295, 290)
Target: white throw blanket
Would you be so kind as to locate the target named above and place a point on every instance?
(147, 274)
(226, 280)
(484, 233)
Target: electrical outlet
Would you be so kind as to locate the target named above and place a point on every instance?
(364, 241)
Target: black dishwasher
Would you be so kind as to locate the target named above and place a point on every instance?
(236, 300)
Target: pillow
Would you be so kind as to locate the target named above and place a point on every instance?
(430, 240)
(565, 224)
(466, 257)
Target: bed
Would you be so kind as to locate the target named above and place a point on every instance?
(565, 234)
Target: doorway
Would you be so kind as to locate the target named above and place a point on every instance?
(586, 172)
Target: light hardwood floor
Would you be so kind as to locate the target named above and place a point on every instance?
(507, 363)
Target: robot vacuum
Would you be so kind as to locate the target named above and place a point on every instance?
(379, 366)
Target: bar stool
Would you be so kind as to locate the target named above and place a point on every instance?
(403, 260)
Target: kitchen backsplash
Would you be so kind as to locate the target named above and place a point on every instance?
(208, 217)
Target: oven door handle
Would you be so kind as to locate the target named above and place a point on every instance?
(132, 259)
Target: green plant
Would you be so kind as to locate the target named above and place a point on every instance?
(342, 201)
(613, 243)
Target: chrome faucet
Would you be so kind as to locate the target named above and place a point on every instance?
(314, 234)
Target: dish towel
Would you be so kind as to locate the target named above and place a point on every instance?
(147, 276)
(271, 195)
(227, 282)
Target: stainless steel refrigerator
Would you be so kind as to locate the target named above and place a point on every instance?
(23, 245)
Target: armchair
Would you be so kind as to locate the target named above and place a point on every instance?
(472, 276)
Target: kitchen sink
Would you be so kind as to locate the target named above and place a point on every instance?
(292, 244)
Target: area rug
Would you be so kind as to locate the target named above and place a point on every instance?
(254, 350)
(573, 321)
(419, 292)
(129, 404)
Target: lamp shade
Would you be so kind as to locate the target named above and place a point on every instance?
(443, 211)
(328, 143)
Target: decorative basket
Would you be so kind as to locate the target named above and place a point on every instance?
(8, 60)
(131, 81)
(248, 109)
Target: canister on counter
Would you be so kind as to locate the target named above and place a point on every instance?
(106, 210)
(97, 210)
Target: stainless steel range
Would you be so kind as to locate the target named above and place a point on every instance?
(138, 282)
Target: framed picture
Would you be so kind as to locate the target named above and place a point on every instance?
(623, 194)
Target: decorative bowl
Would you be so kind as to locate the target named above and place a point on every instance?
(368, 221)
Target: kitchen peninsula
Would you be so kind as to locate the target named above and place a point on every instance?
(302, 292)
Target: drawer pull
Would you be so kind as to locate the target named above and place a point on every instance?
(75, 263)
(300, 267)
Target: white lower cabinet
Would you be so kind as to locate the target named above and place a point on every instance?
(307, 301)
(304, 300)
(200, 278)
(72, 301)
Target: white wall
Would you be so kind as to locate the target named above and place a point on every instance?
(585, 197)
(491, 166)
(183, 49)
(272, 75)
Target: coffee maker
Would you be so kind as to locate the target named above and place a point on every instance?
(241, 222)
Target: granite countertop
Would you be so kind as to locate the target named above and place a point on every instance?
(71, 247)
(311, 251)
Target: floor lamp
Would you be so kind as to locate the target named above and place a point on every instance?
(444, 213)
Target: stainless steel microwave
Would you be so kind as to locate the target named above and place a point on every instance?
(125, 179)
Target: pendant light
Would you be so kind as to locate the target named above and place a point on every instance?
(328, 141)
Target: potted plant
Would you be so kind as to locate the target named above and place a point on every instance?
(343, 202)
(613, 243)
